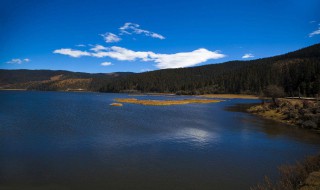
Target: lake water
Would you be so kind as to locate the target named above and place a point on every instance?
(59, 140)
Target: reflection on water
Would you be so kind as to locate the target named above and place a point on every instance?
(57, 140)
(196, 137)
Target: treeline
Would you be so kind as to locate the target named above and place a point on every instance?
(298, 73)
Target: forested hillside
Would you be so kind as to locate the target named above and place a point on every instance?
(297, 72)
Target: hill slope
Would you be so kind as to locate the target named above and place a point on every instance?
(295, 71)
(50, 80)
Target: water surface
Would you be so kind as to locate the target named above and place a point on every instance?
(65, 140)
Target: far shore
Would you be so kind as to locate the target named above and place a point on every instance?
(220, 96)
(230, 96)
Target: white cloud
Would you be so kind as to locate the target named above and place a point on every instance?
(81, 45)
(247, 56)
(71, 52)
(124, 54)
(98, 48)
(110, 37)
(312, 21)
(132, 28)
(185, 59)
(316, 32)
(163, 61)
(18, 61)
(128, 27)
(106, 64)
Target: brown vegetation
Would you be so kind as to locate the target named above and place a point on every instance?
(165, 102)
(303, 176)
(56, 77)
(68, 84)
(303, 113)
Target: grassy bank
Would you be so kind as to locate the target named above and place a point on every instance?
(302, 113)
(165, 102)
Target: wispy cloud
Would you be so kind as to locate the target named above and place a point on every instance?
(110, 37)
(145, 70)
(132, 28)
(123, 54)
(98, 48)
(247, 56)
(106, 64)
(71, 52)
(81, 45)
(163, 61)
(18, 61)
(312, 21)
(316, 32)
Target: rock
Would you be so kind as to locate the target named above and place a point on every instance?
(303, 111)
(116, 104)
(312, 182)
(313, 179)
(309, 124)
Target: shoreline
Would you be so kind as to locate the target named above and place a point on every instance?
(230, 96)
(297, 113)
(220, 96)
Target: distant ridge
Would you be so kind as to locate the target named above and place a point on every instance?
(50, 79)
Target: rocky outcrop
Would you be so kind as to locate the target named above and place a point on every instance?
(312, 182)
(302, 113)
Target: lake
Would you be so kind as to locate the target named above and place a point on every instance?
(68, 140)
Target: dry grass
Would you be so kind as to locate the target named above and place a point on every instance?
(298, 176)
(268, 113)
(230, 96)
(165, 102)
(57, 77)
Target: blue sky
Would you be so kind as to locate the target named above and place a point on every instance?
(139, 35)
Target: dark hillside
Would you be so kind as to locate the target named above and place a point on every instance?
(295, 71)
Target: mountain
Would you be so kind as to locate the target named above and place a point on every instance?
(51, 80)
(297, 72)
